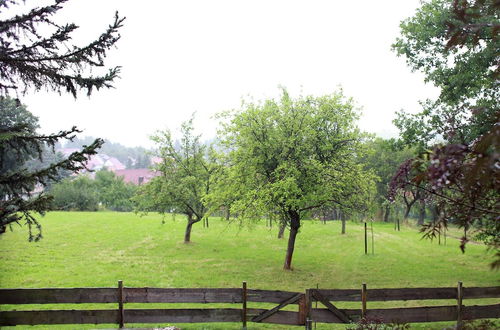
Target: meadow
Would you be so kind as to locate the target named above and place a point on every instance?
(96, 249)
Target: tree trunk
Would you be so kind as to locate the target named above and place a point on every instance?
(421, 214)
(294, 229)
(435, 213)
(187, 234)
(387, 212)
(191, 222)
(343, 226)
(281, 231)
(409, 204)
(407, 213)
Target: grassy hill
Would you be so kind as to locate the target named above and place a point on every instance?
(82, 249)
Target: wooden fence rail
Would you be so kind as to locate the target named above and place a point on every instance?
(304, 315)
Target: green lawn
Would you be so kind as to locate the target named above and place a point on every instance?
(82, 249)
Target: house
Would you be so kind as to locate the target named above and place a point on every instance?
(136, 176)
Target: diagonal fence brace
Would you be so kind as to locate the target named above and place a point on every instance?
(337, 312)
(272, 311)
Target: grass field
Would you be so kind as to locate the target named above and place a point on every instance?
(97, 249)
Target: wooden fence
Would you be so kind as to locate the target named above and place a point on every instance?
(304, 315)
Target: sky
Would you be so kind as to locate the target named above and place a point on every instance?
(180, 57)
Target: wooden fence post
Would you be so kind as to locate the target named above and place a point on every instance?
(460, 296)
(306, 311)
(302, 310)
(244, 301)
(121, 314)
(363, 300)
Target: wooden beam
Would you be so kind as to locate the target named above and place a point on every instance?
(270, 312)
(187, 315)
(12, 318)
(182, 295)
(485, 292)
(269, 296)
(413, 314)
(337, 312)
(58, 296)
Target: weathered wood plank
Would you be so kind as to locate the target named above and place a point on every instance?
(341, 294)
(58, 296)
(338, 313)
(390, 294)
(481, 312)
(415, 314)
(323, 315)
(182, 315)
(280, 317)
(486, 292)
(270, 312)
(269, 296)
(158, 295)
(412, 314)
(11, 318)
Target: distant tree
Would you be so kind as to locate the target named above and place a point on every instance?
(383, 157)
(114, 193)
(290, 156)
(49, 157)
(455, 44)
(186, 177)
(35, 54)
(75, 194)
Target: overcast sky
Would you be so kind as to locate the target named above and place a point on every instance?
(178, 57)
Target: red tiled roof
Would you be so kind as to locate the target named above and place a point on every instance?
(137, 175)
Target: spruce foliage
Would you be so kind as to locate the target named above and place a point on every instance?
(32, 60)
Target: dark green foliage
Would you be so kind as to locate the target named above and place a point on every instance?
(113, 192)
(455, 43)
(383, 157)
(30, 59)
(36, 53)
(75, 194)
(85, 194)
(19, 147)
